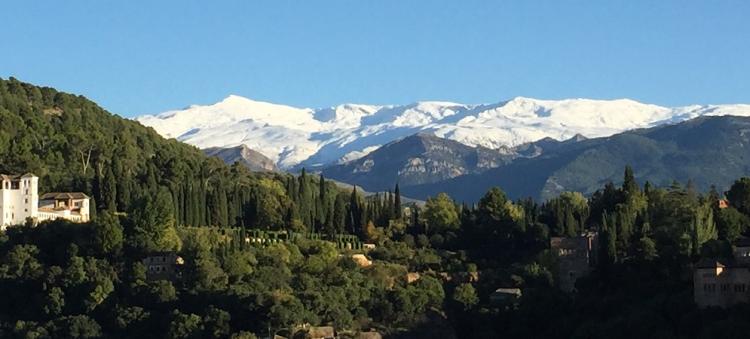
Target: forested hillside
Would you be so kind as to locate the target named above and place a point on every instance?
(74, 145)
(430, 271)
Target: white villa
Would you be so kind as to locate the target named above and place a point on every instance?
(19, 200)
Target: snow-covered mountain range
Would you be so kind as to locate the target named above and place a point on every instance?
(294, 136)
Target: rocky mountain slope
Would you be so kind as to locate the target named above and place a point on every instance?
(252, 159)
(295, 137)
(417, 159)
(708, 151)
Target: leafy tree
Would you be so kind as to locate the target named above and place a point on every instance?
(108, 234)
(646, 249)
(466, 296)
(216, 322)
(739, 195)
(440, 214)
(185, 326)
(731, 223)
(153, 226)
(207, 274)
(77, 326)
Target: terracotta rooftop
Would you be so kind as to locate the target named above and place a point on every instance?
(63, 196)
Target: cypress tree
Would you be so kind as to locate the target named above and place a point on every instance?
(339, 215)
(198, 203)
(109, 190)
(390, 206)
(415, 218)
(322, 203)
(328, 226)
(354, 214)
(397, 202)
(629, 185)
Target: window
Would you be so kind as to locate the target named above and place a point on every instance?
(724, 288)
(26, 201)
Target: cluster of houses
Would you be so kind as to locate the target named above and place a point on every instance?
(20, 201)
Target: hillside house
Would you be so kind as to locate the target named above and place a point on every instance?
(505, 296)
(163, 266)
(20, 200)
(73, 206)
(576, 256)
(723, 284)
(321, 332)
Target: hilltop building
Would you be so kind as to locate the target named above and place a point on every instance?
(576, 256)
(19, 200)
(723, 284)
(73, 206)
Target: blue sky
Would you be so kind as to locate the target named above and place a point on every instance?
(136, 57)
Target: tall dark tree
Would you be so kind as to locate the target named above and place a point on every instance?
(739, 195)
(397, 202)
(629, 185)
(109, 190)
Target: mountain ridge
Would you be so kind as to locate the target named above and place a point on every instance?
(707, 151)
(305, 137)
(416, 159)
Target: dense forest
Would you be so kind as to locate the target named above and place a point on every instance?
(434, 266)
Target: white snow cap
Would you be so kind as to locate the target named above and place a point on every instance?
(292, 136)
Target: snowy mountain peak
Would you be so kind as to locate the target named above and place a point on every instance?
(293, 136)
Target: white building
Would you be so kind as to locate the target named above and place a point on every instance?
(19, 200)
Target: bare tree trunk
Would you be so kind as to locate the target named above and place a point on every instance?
(85, 159)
